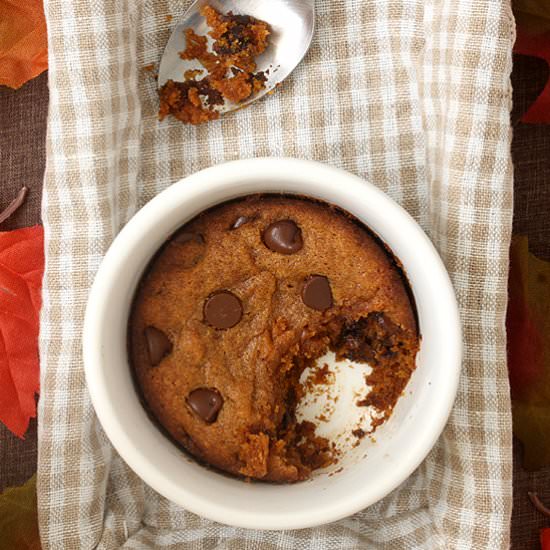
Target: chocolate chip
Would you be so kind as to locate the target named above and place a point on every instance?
(223, 310)
(240, 221)
(192, 248)
(158, 345)
(316, 293)
(284, 237)
(205, 403)
(243, 19)
(261, 76)
(182, 237)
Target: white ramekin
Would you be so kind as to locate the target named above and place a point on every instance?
(401, 444)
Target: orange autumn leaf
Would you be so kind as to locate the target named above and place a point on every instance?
(19, 517)
(23, 41)
(21, 269)
(528, 328)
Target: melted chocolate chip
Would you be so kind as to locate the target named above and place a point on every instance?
(206, 403)
(261, 76)
(238, 35)
(204, 89)
(240, 221)
(242, 19)
(182, 237)
(223, 310)
(316, 293)
(158, 345)
(284, 237)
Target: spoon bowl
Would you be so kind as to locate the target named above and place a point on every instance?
(292, 25)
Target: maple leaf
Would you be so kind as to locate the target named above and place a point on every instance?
(533, 38)
(19, 517)
(21, 269)
(23, 41)
(528, 327)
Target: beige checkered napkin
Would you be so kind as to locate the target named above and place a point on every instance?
(412, 94)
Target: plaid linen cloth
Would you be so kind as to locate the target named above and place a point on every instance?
(413, 95)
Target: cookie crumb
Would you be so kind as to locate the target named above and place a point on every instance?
(230, 67)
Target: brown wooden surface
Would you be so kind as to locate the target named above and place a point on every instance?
(22, 156)
(23, 116)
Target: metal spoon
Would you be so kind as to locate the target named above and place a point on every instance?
(292, 24)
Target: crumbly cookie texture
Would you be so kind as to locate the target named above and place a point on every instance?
(238, 303)
(230, 68)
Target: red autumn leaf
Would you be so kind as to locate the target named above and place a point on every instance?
(525, 346)
(545, 539)
(533, 38)
(528, 328)
(21, 269)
